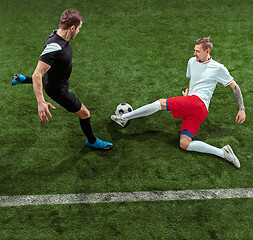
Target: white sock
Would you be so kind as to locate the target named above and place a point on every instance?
(199, 146)
(143, 111)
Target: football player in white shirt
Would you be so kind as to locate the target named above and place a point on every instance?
(204, 73)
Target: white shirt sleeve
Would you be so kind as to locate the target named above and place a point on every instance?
(188, 71)
(224, 76)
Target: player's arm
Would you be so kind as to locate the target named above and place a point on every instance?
(241, 116)
(43, 106)
(185, 93)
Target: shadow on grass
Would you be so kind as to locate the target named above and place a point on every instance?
(142, 133)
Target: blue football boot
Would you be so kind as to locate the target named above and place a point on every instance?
(17, 79)
(99, 144)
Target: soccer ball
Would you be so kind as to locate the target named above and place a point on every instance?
(123, 108)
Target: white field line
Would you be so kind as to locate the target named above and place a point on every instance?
(125, 197)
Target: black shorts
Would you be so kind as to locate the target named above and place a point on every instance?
(67, 100)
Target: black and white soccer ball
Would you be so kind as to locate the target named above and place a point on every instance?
(123, 108)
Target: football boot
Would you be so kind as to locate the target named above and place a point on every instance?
(230, 156)
(17, 79)
(99, 144)
(118, 119)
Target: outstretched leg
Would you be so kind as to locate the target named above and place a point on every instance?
(139, 112)
(20, 79)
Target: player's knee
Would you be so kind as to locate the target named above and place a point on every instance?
(162, 101)
(83, 112)
(184, 143)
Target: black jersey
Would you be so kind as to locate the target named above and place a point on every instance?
(57, 53)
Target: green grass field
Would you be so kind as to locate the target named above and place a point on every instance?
(135, 52)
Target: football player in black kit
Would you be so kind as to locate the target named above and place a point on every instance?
(55, 64)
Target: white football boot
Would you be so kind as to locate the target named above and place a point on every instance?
(118, 119)
(230, 156)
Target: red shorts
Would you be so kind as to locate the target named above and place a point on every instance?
(191, 108)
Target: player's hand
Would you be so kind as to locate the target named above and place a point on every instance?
(43, 110)
(185, 93)
(241, 116)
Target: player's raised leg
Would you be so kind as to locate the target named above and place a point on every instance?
(20, 79)
(92, 141)
(139, 112)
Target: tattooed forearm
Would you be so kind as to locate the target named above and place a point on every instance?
(239, 98)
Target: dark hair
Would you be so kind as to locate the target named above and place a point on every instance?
(69, 18)
(205, 42)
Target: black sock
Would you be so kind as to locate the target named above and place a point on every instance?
(86, 127)
(28, 80)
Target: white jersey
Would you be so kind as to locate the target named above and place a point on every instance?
(204, 77)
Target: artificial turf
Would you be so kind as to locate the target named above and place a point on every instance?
(135, 52)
